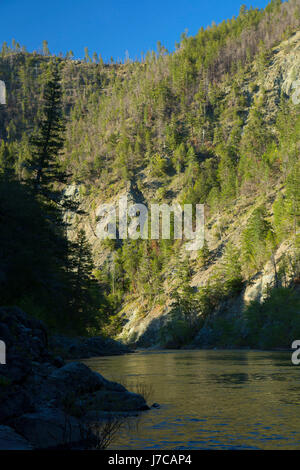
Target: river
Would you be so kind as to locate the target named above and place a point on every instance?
(210, 399)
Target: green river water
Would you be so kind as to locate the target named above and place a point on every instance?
(210, 399)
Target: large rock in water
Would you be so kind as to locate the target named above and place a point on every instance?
(77, 378)
(105, 400)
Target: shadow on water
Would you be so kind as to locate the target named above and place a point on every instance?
(211, 399)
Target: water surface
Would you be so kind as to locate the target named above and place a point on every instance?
(210, 399)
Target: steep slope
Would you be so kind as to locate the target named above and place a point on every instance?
(143, 322)
(214, 123)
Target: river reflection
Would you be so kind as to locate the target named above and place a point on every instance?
(210, 399)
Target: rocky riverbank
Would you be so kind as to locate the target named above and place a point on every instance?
(46, 403)
(84, 348)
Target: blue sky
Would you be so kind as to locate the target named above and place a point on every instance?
(110, 27)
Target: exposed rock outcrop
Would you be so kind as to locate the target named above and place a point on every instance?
(44, 403)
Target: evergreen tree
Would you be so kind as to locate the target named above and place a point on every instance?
(204, 254)
(49, 139)
(7, 161)
(184, 299)
(46, 51)
(232, 269)
(86, 298)
(86, 55)
(293, 197)
(254, 239)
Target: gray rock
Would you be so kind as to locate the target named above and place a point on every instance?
(77, 378)
(10, 440)
(42, 398)
(94, 417)
(14, 402)
(105, 400)
(49, 428)
(26, 341)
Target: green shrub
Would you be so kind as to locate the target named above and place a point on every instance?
(177, 332)
(276, 322)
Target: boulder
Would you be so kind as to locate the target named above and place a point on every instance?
(10, 440)
(105, 400)
(78, 379)
(26, 341)
(49, 428)
(96, 417)
(45, 400)
(13, 402)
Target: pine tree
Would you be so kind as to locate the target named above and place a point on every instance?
(254, 239)
(184, 300)
(81, 260)
(85, 291)
(232, 269)
(46, 51)
(293, 197)
(49, 139)
(7, 161)
(204, 254)
(86, 55)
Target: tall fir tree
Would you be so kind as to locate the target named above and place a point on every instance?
(85, 291)
(48, 141)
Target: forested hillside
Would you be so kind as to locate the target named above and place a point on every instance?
(217, 123)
